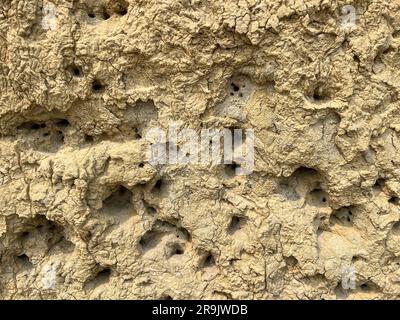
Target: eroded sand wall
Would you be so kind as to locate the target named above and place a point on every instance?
(84, 215)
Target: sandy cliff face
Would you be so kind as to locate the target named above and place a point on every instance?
(83, 214)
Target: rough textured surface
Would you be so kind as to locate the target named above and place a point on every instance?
(83, 215)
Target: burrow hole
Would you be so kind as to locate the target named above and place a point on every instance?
(176, 249)
(319, 95)
(90, 13)
(235, 89)
(231, 169)
(97, 87)
(291, 261)
(118, 8)
(50, 233)
(394, 200)
(357, 258)
(102, 277)
(46, 136)
(236, 224)
(208, 261)
(240, 87)
(304, 172)
(340, 292)
(136, 134)
(105, 15)
(364, 287)
(369, 286)
(288, 187)
(378, 185)
(396, 229)
(119, 203)
(62, 123)
(150, 240)
(23, 262)
(122, 10)
(98, 13)
(40, 236)
(75, 70)
(158, 186)
(88, 139)
(150, 210)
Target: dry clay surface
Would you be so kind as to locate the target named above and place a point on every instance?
(83, 215)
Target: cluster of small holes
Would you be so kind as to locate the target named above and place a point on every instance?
(39, 236)
(44, 136)
(174, 246)
(235, 89)
(117, 8)
(318, 197)
(343, 216)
